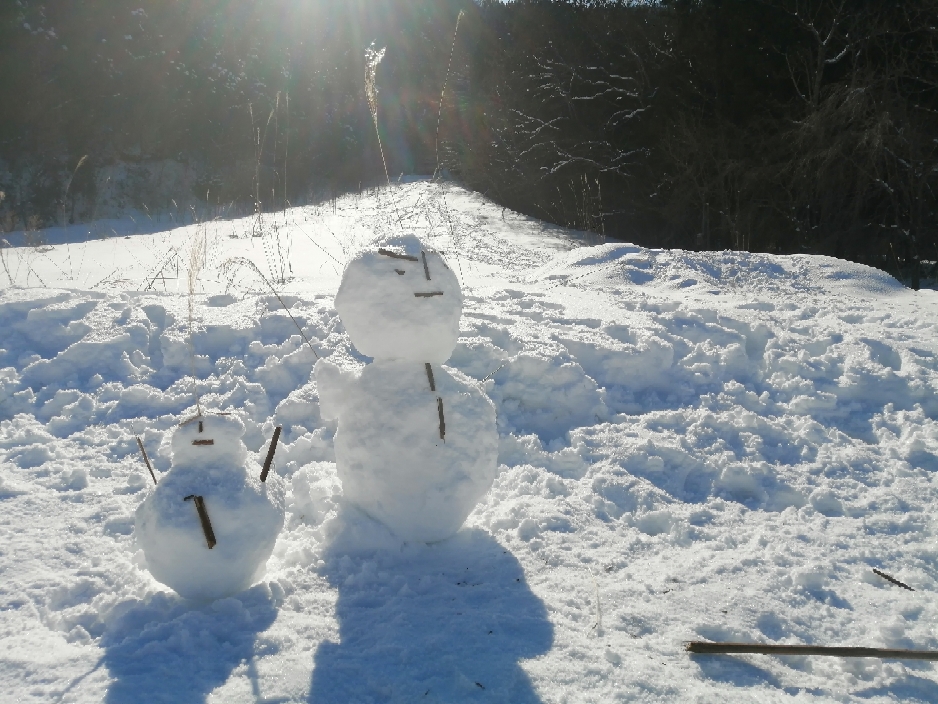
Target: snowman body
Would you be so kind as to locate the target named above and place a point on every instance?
(416, 445)
(210, 462)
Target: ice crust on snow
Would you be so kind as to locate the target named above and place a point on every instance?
(401, 307)
(246, 515)
(391, 460)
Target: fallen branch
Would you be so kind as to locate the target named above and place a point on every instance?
(428, 294)
(203, 519)
(892, 579)
(430, 376)
(146, 459)
(270, 453)
(704, 647)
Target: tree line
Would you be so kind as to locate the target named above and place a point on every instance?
(765, 125)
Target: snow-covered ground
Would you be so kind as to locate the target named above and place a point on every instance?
(692, 446)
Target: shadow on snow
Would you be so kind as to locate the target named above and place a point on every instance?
(166, 649)
(431, 623)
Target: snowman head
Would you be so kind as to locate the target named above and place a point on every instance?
(209, 441)
(399, 300)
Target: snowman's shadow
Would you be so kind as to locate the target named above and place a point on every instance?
(167, 649)
(430, 623)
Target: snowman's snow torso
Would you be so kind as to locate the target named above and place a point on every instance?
(416, 445)
(246, 515)
(391, 458)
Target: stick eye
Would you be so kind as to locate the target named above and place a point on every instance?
(400, 272)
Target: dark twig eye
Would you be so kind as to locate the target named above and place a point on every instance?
(400, 272)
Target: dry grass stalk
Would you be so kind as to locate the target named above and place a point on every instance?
(439, 122)
(3, 259)
(146, 459)
(439, 115)
(197, 256)
(68, 186)
(230, 266)
(599, 609)
(372, 59)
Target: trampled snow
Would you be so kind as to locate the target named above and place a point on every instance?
(691, 445)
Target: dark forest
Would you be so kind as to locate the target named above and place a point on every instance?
(764, 125)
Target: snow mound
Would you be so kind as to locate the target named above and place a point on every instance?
(713, 272)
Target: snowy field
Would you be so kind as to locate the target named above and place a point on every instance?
(692, 446)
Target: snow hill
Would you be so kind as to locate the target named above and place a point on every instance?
(692, 446)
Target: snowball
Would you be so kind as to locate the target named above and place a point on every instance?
(404, 303)
(390, 457)
(246, 515)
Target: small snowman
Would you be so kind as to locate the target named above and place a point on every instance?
(209, 526)
(416, 445)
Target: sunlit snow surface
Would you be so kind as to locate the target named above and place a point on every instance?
(692, 446)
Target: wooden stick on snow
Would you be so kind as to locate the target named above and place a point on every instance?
(704, 647)
(145, 458)
(890, 578)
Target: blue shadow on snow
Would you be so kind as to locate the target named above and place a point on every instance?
(446, 622)
(167, 649)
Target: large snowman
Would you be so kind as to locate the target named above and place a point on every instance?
(416, 445)
(209, 526)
